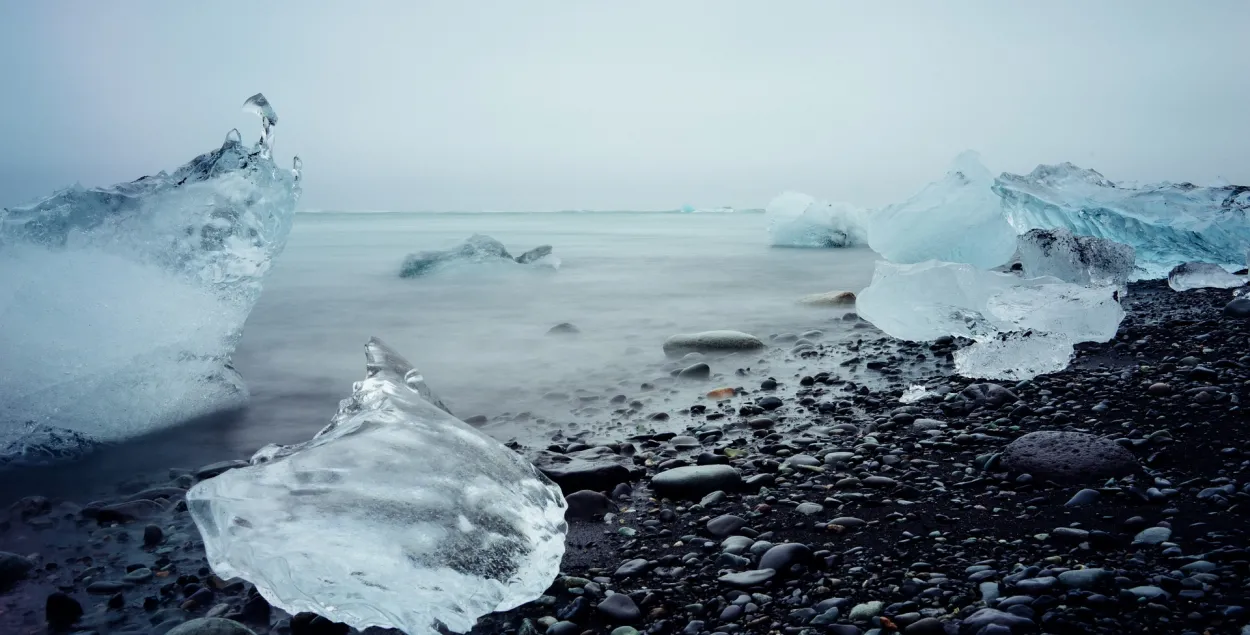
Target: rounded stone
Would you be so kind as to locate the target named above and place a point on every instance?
(61, 611)
(1067, 456)
(696, 371)
(620, 607)
(211, 626)
(831, 298)
(782, 557)
(695, 481)
(1239, 308)
(586, 504)
(711, 342)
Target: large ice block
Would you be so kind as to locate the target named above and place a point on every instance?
(1167, 223)
(121, 305)
(1005, 314)
(1071, 258)
(956, 219)
(798, 220)
(1202, 275)
(395, 515)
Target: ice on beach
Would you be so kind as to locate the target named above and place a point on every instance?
(1202, 275)
(1071, 258)
(121, 305)
(956, 219)
(1166, 223)
(395, 515)
(913, 394)
(476, 249)
(798, 220)
(1005, 314)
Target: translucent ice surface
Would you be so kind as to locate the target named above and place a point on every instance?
(1167, 223)
(396, 515)
(956, 219)
(121, 305)
(798, 220)
(476, 249)
(1005, 314)
(1202, 275)
(1072, 258)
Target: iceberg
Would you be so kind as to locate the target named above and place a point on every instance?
(121, 305)
(1080, 259)
(1006, 315)
(395, 515)
(477, 249)
(1202, 275)
(798, 220)
(1167, 223)
(956, 219)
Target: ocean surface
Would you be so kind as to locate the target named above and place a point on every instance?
(479, 332)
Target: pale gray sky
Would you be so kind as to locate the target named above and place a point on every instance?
(624, 105)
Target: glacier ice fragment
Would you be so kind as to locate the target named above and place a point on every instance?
(1166, 223)
(121, 305)
(956, 219)
(476, 249)
(1202, 275)
(798, 220)
(395, 515)
(1071, 258)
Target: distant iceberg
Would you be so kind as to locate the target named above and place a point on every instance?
(1167, 223)
(122, 305)
(798, 220)
(476, 249)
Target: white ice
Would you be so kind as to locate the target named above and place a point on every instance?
(798, 220)
(955, 219)
(122, 305)
(1071, 258)
(1202, 275)
(395, 515)
(1167, 223)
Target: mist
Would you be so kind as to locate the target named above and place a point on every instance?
(648, 105)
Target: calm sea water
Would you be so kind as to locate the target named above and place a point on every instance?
(478, 332)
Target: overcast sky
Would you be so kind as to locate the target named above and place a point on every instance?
(624, 105)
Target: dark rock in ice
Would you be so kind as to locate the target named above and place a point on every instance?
(1067, 456)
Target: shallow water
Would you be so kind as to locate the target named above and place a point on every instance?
(478, 332)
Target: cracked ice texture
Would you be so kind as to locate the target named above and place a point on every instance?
(1071, 258)
(397, 514)
(1166, 223)
(1202, 275)
(798, 220)
(121, 305)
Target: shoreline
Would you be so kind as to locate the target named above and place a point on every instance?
(917, 510)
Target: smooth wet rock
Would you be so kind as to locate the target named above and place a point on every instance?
(696, 481)
(1085, 578)
(596, 469)
(830, 299)
(586, 504)
(711, 342)
(1238, 308)
(723, 526)
(632, 568)
(696, 371)
(563, 328)
(620, 608)
(13, 569)
(781, 557)
(211, 626)
(748, 578)
(61, 611)
(1083, 498)
(1067, 457)
(1152, 536)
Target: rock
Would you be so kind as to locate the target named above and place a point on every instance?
(1085, 578)
(539, 252)
(697, 371)
(986, 617)
(13, 569)
(781, 557)
(213, 469)
(831, 298)
(808, 509)
(61, 611)
(1238, 308)
(1083, 497)
(725, 525)
(620, 608)
(586, 504)
(866, 611)
(152, 535)
(1152, 536)
(991, 395)
(563, 328)
(1160, 389)
(748, 578)
(632, 568)
(596, 469)
(711, 342)
(211, 626)
(138, 576)
(695, 481)
(925, 626)
(1067, 456)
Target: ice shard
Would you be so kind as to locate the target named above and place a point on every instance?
(1071, 258)
(1202, 275)
(798, 220)
(121, 305)
(1166, 223)
(1007, 316)
(955, 219)
(396, 515)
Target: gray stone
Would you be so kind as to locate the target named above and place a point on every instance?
(1152, 536)
(807, 509)
(1083, 497)
(1067, 456)
(1085, 578)
(711, 342)
(696, 481)
(620, 608)
(782, 557)
(211, 626)
(991, 395)
(748, 578)
(586, 504)
(13, 569)
(986, 617)
(722, 526)
(1239, 308)
(697, 371)
(596, 469)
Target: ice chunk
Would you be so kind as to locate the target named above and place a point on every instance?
(1167, 223)
(923, 301)
(798, 220)
(1072, 258)
(477, 249)
(914, 393)
(956, 219)
(395, 515)
(122, 305)
(1202, 275)
(1015, 356)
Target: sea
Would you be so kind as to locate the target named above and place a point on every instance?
(479, 332)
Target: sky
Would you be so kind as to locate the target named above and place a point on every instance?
(645, 105)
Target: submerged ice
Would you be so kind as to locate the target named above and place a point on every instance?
(395, 515)
(798, 220)
(121, 305)
(477, 249)
(1167, 223)
(1202, 275)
